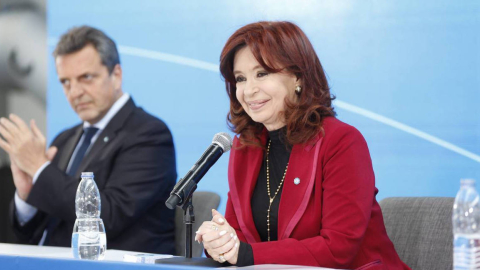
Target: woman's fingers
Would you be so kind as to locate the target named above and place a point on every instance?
(222, 250)
(199, 234)
(232, 255)
(207, 226)
(217, 217)
(216, 239)
(203, 229)
(225, 249)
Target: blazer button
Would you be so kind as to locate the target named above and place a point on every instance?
(105, 139)
(296, 181)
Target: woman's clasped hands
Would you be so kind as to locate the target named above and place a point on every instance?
(219, 239)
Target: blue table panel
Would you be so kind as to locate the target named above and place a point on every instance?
(36, 263)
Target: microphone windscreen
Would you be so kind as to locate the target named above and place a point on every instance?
(223, 140)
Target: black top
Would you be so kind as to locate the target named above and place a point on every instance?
(278, 160)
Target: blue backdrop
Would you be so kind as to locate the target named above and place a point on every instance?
(405, 73)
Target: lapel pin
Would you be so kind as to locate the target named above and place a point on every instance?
(105, 139)
(296, 181)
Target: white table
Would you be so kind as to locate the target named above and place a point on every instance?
(112, 255)
(56, 252)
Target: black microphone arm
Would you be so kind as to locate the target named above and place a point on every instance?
(188, 184)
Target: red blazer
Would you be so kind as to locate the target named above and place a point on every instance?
(331, 218)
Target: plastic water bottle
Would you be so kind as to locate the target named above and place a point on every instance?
(89, 240)
(466, 227)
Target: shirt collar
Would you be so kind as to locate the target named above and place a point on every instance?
(110, 114)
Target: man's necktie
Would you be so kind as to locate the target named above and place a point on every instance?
(77, 159)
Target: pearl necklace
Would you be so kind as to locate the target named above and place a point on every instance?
(268, 189)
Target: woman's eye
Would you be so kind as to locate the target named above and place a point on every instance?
(262, 74)
(240, 79)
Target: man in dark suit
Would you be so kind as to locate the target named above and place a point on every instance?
(130, 152)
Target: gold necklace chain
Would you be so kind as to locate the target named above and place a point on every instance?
(268, 189)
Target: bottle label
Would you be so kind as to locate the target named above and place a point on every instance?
(466, 251)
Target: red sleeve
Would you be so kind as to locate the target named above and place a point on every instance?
(348, 192)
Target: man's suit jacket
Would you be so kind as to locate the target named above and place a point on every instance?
(329, 219)
(133, 160)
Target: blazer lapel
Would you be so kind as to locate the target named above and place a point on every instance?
(107, 136)
(293, 202)
(68, 148)
(244, 166)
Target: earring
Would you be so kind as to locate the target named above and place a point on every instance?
(298, 89)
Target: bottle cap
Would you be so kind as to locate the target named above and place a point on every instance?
(467, 181)
(87, 174)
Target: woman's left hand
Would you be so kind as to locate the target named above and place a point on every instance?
(219, 239)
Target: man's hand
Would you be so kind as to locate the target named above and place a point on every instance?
(24, 182)
(26, 146)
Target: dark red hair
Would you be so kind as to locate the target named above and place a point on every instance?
(279, 46)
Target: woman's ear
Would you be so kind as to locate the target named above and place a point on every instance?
(298, 80)
(298, 86)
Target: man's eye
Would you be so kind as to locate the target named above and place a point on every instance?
(88, 77)
(240, 79)
(65, 82)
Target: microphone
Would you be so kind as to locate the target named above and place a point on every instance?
(221, 143)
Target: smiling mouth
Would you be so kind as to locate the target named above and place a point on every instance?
(255, 105)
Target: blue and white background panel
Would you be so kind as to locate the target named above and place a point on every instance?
(405, 73)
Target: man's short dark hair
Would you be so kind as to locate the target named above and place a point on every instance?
(79, 37)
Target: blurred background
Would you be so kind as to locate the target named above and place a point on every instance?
(23, 80)
(405, 73)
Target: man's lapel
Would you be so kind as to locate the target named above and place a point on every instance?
(107, 136)
(68, 148)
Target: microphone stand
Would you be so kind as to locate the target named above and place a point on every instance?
(188, 218)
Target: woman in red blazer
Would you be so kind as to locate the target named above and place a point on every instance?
(302, 187)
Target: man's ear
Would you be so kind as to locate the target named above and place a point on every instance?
(117, 76)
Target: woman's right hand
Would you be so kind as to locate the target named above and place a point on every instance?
(219, 239)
